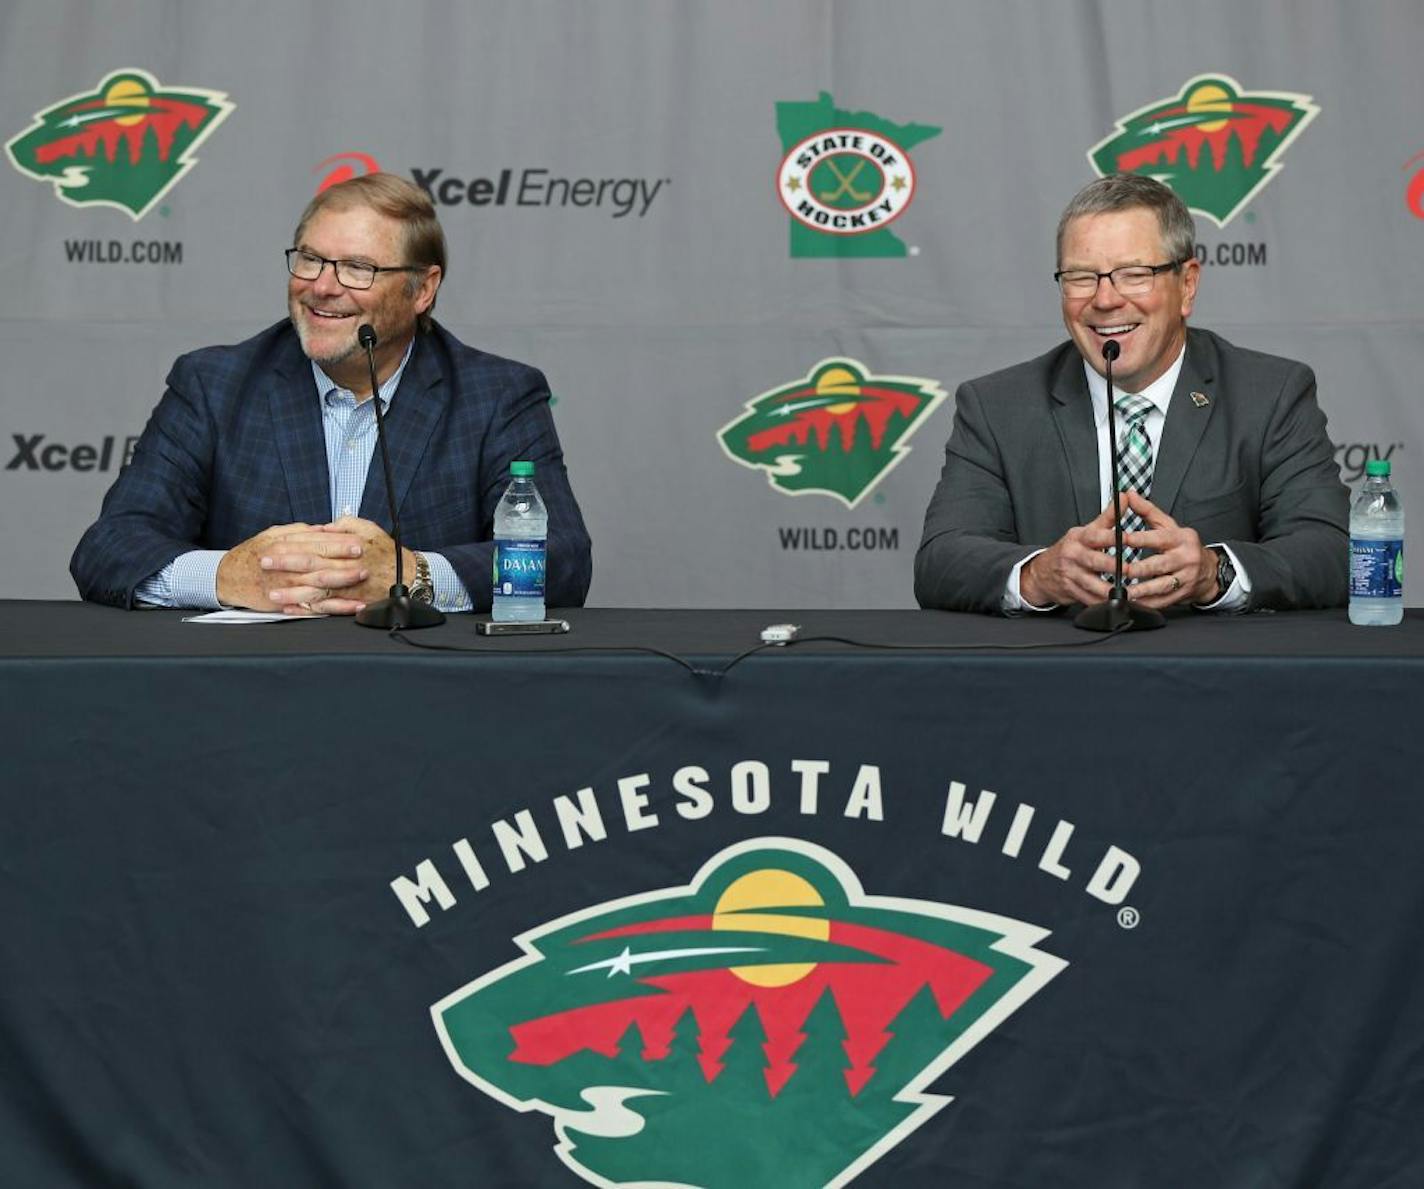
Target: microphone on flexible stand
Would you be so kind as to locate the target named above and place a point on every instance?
(1119, 612)
(399, 610)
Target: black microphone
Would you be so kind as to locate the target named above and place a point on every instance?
(1111, 351)
(1119, 612)
(399, 610)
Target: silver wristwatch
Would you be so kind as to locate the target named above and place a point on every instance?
(422, 589)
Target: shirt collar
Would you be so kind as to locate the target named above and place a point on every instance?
(326, 386)
(1159, 392)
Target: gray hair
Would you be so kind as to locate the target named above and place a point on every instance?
(1127, 191)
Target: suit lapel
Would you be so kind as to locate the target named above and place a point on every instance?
(300, 441)
(416, 409)
(1193, 401)
(1073, 416)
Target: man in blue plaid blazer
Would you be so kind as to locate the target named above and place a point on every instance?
(256, 482)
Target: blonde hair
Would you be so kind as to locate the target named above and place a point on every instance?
(398, 199)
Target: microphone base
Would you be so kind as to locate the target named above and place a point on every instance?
(1118, 614)
(399, 611)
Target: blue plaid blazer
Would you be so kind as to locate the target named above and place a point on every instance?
(236, 446)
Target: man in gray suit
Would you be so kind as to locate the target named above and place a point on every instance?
(1238, 503)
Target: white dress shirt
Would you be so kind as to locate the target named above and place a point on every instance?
(1159, 392)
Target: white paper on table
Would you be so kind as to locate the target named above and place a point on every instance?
(247, 617)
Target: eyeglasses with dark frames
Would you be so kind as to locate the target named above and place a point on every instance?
(1131, 280)
(354, 274)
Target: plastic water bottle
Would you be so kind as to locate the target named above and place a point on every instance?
(1377, 550)
(521, 527)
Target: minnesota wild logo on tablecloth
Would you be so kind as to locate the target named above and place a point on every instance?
(769, 1024)
(1215, 143)
(125, 144)
(837, 431)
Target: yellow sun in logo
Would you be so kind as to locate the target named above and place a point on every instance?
(128, 92)
(1210, 97)
(771, 888)
(837, 381)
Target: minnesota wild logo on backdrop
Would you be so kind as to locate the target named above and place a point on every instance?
(125, 144)
(768, 1024)
(838, 431)
(1215, 143)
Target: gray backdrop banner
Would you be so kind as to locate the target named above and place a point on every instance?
(676, 209)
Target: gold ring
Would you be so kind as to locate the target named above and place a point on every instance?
(1176, 584)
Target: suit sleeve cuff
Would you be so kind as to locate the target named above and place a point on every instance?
(1238, 594)
(1013, 601)
(189, 580)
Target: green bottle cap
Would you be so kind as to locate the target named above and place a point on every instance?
(521, 470)
(1377, 466)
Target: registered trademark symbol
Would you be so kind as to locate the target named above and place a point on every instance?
(165, 210)
(879, 497)
(1250, 216)
(1128, 917)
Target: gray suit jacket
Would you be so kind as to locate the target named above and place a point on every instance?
(1252, 468)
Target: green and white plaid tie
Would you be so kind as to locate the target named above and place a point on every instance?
(1135, 451)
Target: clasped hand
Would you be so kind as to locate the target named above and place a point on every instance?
(1178, 569)
(311, 569)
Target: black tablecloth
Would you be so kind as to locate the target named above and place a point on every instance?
(304, 904)
(55, 629)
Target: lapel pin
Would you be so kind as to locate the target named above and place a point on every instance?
(1200, 399)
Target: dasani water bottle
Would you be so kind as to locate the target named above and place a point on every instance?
(521, 528)
(1377, 550)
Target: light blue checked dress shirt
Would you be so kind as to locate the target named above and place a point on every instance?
(191, 579)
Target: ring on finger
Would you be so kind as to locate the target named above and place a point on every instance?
(1176, 583)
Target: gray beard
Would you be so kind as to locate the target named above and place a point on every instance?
(329, 361)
